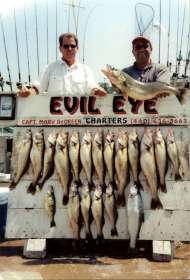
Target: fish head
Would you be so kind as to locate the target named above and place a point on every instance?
(85, 189)
(115, 76)
(133, 191)
(109, 137)
(158, 138)
(109, 189)
(98, 192)
(62, 138)
(50, 190)
(39, 137)
(52, 137)
(87, 138)
(73, 189)
(28, 135)
(122, 139)
(147, 138)
(75, 138)
(98, 137)
(170, 136)
(133, 137)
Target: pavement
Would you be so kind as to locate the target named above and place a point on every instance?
(110, 261)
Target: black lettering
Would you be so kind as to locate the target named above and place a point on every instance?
(118, 101)
(135, 105)
(55, 106)
(71, 107)
(149, 106)
(91, 105)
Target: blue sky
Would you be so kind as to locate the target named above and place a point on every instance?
(108, 26)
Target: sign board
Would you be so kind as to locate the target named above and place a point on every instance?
(7, 106)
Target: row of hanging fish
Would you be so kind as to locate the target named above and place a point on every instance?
(85, 206)
(101, 161)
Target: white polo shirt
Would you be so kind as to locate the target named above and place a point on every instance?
(61, 79)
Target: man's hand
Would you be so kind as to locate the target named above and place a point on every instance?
(25, 91)
(99, 91)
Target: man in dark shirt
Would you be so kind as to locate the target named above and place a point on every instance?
(145, 71)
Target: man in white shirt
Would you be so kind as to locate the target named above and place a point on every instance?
(67, 76)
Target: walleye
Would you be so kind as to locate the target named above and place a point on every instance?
(36, 157)
(97, 156)
(139, 90)
(48, 167)
(135, 216)
(172, 152)
(97, 212)
(183, 160)
(74, 210)
(111, 209)
(86, 156)
(50, 205)
(109, 147)
(148, 165)
(134, 155)
(61, 160)
(23, 157)
(121, 166)
(85, 209)
(74, 155)
(161, 158)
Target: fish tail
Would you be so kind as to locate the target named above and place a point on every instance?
(156, 203)
(65, 199)
(163, 188)
(53, 224)
(121, 199)
(31, 189)
(114, 232)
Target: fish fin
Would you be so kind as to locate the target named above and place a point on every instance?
(121, 200)
(31, 189)
(53, 224)
(156, 203)
(163, 188)
(65, 199)
(114, 232)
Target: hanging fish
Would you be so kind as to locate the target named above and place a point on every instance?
(74, 155)
(98, 157)
(86, 156)
(50, 205)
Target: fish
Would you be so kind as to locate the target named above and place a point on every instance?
(161, 158)
(148, 166)
(111, 209)
(74, 155)
(109, 149)
(50, 205)
(48, 166)
(121, 166)
(139, 90)
(173, 152)
(98, 157)
(74, 210)
(62, 165)
(134, 156)
(135, 216)
(85, 209)
(36, 158)
(183, 159)
(23, 158)
(97, 212)
(86, 156)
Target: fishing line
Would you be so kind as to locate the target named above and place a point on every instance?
(56, 28)
(47, 30)
(27, 49)
(17, 48)
(180, 55)
(37, 45)
(168, 54)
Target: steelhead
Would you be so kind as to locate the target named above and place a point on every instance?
(161, 158)
(48, 166)
(86, 156)
(36, 158)
(50, 205)
(74, 155)
(173, 152)
(22, 157)
(109, 149)
(121, 166)
(139, 90)
(111, 209)
(148, 165)
(62, 166)
(85, 209)
(134, 156)
(98, 157)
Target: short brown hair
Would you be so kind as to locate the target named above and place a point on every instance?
(67, 35)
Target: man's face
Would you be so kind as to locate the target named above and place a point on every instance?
(68, 49)
(142, 51)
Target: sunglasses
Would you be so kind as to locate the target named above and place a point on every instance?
(141, 46)
(66, 46)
